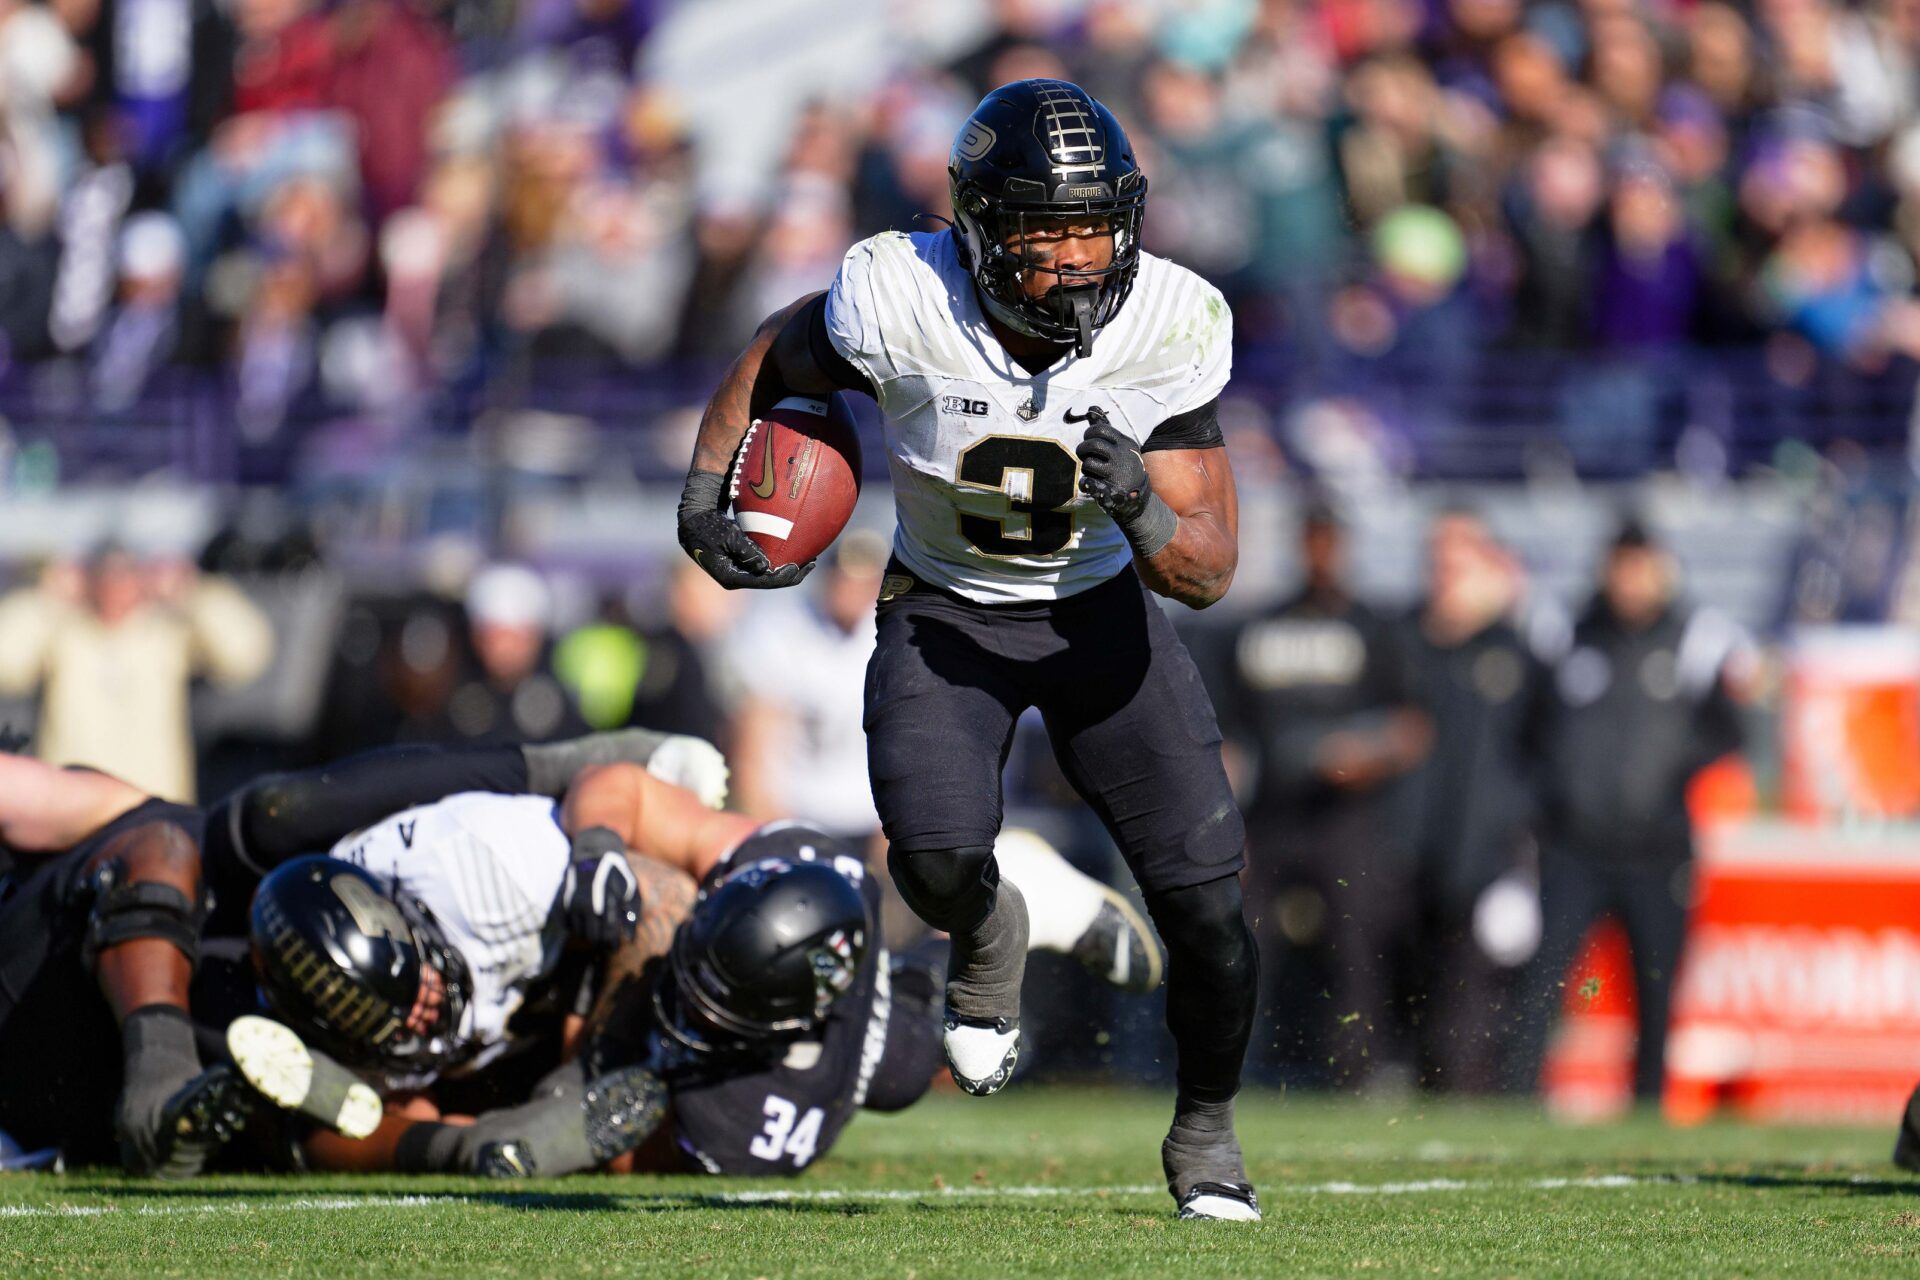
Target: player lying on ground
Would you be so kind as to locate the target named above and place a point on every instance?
(1050, 394)
(100, 918)
(101, 922)
(773, 1019)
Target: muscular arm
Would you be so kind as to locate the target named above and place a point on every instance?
(1197, 566)
(653, 817)
(46, 810)
(778, 361)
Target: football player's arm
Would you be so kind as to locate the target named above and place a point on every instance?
(1196, 566)
(1173, 496)
(44, 809)
(653, 817)
(789, 355)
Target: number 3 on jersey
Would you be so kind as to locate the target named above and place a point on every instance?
(783, 1137)
(1038, 477)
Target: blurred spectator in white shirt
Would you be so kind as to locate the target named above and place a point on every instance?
(799, 748)
(112, 651)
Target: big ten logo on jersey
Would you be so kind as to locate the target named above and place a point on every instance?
(787, 1133)
(965, 406)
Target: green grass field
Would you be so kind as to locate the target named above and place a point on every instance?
(1052, 1183)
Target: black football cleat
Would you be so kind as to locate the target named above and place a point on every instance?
(292, 1076)
(571, 1129)
(1118, 947)
(198, 1120)
(622, 1108)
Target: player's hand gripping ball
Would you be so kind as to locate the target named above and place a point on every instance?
(714, 542)
(600, 897)
(1112, 472)
(793, 486)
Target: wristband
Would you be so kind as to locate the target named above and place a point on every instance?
(1153, 528)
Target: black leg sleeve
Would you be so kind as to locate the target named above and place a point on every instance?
(1213, 980)
(285, 815)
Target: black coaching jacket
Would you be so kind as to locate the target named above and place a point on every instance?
(1625, 721)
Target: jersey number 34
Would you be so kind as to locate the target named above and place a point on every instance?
(1038, 477)
(784, 1137)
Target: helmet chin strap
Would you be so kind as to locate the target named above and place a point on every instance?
(1074, 305)
(1083, 302)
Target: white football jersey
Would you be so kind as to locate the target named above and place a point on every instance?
(986, 485)
(489, 867)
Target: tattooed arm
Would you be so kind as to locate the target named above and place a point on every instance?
(652, 817)
(666, 897)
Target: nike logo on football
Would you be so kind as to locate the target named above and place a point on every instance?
(1094, 414)
(763, 487)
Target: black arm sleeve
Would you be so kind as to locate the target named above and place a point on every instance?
(826, 358)
(1194, 429)
(283, 815)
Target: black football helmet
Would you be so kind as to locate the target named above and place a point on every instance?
(1044, 149)
(769, 949)
(362, 972)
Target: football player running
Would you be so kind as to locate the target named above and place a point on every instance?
(1050, 394)
(774, 1018)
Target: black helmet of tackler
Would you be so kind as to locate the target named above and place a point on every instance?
(1045, 149)
(766, 955)
(361, 972)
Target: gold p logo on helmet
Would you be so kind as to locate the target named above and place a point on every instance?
(376, 916)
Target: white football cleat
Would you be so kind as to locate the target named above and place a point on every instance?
(279, 1065)
(981, 1054)
(1220, 1202)
(1072, 913)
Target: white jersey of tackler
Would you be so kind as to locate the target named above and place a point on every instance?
(489, 867)
(985, 480)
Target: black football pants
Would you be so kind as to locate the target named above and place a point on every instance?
(1135, 734)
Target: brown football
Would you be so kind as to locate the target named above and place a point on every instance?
(797, 477)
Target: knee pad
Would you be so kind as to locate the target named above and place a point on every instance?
(951, 889)
(126, 911)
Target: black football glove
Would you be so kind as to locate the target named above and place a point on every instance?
(1114, 475)
(600, 897)
(1112, 472)
(719, 545)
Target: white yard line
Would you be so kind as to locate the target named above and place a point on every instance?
(1274, 1193)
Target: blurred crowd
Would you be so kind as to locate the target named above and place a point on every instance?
(368, 203)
